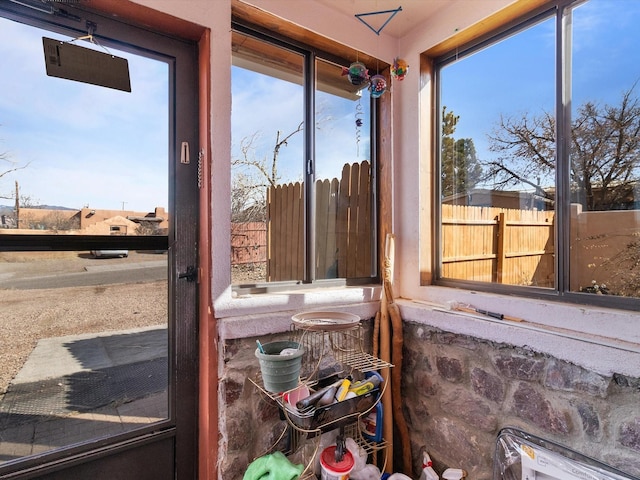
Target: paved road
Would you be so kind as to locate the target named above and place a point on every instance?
(100, 273)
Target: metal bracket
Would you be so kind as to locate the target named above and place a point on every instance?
(191, 275)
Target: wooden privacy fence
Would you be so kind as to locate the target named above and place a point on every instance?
(343, 227)
(499, 245)
(248, 243)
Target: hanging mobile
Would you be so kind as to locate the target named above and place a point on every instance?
(358, 116)
(399, 69)
(378, 85)
(357, 73)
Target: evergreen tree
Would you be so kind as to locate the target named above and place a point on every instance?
(460, 168)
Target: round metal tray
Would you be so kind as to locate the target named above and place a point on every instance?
(325, 320)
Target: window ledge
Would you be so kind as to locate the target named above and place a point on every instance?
(266, 313)
(604, 344)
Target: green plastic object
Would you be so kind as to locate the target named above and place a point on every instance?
(274, 466)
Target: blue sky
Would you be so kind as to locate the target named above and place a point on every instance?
(517, 76)
(85, 145)
(82, 144)
(263, 105)
(89, 145)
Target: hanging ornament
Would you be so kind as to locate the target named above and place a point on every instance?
(378, 85)
(358, 126)
(357, 73)
(399, 69)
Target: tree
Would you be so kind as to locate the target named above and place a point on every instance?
(252, 176)
(605, 147)
(461, 169)
(10, 167)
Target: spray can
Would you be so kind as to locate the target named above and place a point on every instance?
(428, 473)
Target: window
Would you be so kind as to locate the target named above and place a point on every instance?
(302, 198)
(538, 158)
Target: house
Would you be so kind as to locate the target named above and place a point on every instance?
(86, 218)
(569, 373)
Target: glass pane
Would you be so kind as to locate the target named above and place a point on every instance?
(267, 163)
(343, 176)
(498, 162)
(605, 165)
(83, 333)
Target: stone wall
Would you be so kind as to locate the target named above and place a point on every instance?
(251, 424)
(459, 391)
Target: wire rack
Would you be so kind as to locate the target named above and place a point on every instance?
(334, 352)
(328, 353)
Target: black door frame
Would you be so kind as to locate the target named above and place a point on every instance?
(142, 453)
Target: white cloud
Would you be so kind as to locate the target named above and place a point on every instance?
(84, 143)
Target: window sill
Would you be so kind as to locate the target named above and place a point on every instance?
(253, 315)
(604, 341)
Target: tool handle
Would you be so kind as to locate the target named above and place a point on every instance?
(499, 316)
(315, 396)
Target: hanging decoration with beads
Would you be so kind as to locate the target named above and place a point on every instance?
(357, 74)
(399, 69)
(377, 86)
(358, 115)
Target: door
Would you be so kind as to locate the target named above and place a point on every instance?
(98, 247)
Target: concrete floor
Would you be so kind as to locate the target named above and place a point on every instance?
(79, 388)
(33, 438)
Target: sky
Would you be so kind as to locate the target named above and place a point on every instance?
(80, 144)
(88, 146)
(262, 106)
(517, 76)
(84, 145)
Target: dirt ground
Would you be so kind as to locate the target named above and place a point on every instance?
(29, 315)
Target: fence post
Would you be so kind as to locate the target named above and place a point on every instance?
(500, 254)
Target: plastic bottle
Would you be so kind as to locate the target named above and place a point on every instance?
(428, 473)
(359, 455)
(372, 424)
(369, 472)
(454, 474)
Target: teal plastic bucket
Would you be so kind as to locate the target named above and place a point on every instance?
(280, 372)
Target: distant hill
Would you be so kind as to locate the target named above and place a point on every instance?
(40, 207)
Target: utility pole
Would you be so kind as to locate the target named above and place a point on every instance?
(123, 204)
(17, 205)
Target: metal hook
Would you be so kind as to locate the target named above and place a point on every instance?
(91, 28)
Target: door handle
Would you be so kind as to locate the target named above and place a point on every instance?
(191, 275)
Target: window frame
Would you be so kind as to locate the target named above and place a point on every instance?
(310, 54)
(561, 11)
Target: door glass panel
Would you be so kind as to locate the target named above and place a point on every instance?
(83, 333)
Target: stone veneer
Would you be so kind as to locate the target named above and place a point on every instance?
(459, 392)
